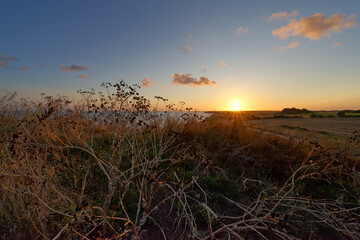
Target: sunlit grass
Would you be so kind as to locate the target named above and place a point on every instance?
(112, 166)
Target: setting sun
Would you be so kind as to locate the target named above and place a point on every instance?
(235, 106)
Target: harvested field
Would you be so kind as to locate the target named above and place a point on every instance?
(335, 126)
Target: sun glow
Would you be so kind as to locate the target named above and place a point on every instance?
(235, 106)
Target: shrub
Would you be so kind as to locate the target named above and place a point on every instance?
(341, 113)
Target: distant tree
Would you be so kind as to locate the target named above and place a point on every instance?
(295, 111)
(304, 110)
(341, 113)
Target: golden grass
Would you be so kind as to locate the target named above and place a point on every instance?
(112, 167)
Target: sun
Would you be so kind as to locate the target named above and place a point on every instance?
(235, 106)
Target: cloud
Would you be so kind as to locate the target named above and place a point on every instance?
(5, 60)
(338, 44)
(73, 68)
(242, 31)
(147, 82)
(83, 76)
(223, 64)
(289, 46)
(315, 27)
(203, 68)
(189, 37)
(282, 15)
(188, 79)
(41, 64)
(22, 68)
(185, 49)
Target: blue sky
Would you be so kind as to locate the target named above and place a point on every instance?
(134, 40)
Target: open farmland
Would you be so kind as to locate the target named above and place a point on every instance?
(342, 127)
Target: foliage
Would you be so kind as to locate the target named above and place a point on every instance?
(341, 113)
(295, 111)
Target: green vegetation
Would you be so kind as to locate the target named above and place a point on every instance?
(285, 116)
(348, 113)
(341, 114)
(114, 167)
(323, 115)
(295, 111)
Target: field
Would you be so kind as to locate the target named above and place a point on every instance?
(325, 127)
(115, 167)
(316, 114)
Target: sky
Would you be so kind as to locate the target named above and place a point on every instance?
(211, 54)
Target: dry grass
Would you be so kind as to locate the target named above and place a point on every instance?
(112, 166)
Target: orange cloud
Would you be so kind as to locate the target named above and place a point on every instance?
(41, 65)
(73, 68)
(147, 82)
(185, 49)
(83, 76)
(5, 60)
(315, 27)
(281, 15)
(188, 79)
(289, 46)
(337, 44)
(22, 68)
(223, 64)
(242, 31)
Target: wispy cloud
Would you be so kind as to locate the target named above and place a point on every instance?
(41, 65)
(189, 37)
(203, 68)
(185, 49)
(83, 76)
(22, 68)
(242, 31)
(223, 64)
(289, 46)
(147, 82)
(282, 15)
(73, 68)
(5, 60)
(315, 27)
(188, 79)
(338, 44)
